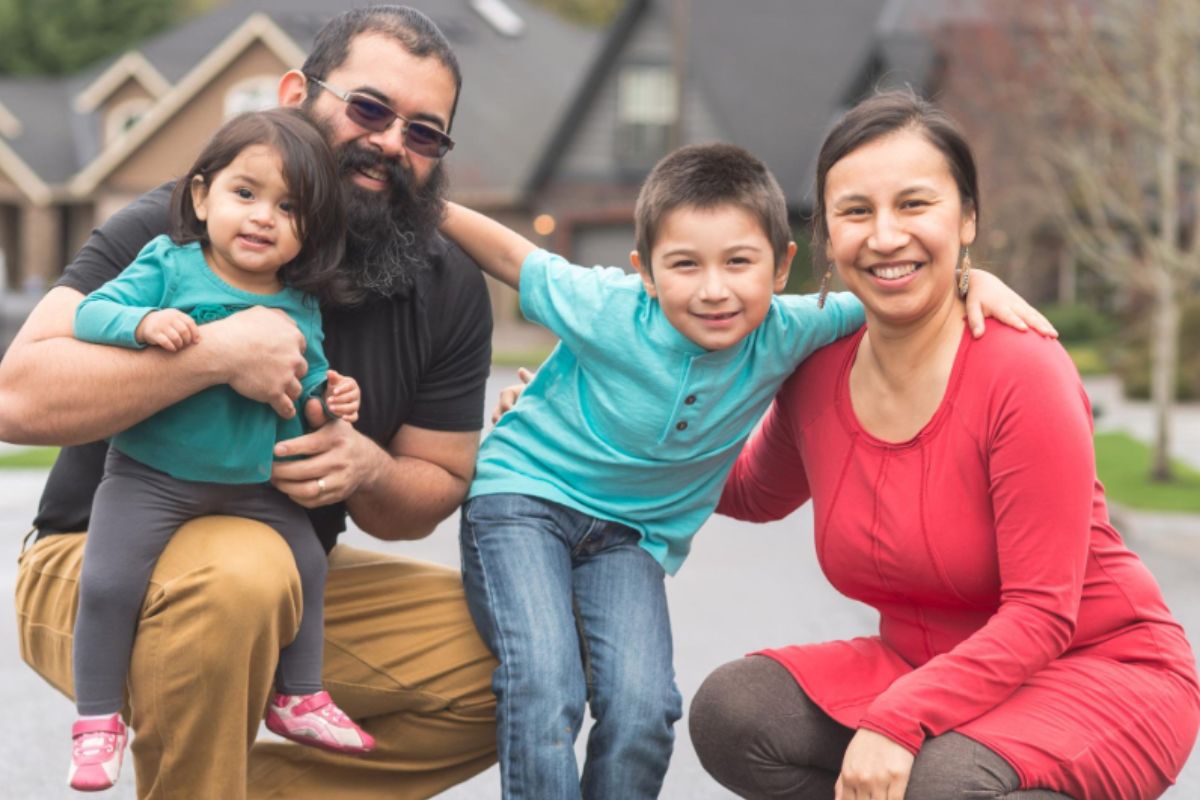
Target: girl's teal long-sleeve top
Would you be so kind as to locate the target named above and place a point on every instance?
(216, 435)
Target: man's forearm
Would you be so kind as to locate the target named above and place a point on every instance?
(405, 498)
(55, 389)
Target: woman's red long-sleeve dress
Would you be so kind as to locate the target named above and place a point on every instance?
(1010, 609)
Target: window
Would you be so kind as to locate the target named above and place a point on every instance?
(123, 116)
(647, 106)
(253, 94)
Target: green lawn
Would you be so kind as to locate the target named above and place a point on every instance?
(1124, 464)
(33, 458)
(1122, 461)
(1089, 360)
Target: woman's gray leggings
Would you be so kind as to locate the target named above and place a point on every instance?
(759, 735)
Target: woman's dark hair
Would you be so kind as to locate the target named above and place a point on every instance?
(878, 116)
(313, 183)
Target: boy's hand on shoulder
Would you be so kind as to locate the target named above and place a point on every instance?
(510, 394)
(342, 396)
(169, 328)
(988, 296)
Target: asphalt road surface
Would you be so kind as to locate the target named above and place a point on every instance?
(744, 587)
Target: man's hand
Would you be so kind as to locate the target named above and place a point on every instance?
(342, 396)
(168, 328)
(874, 768)
(336, 460)
(263, 356)
(510, 394)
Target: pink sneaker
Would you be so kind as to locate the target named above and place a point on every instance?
(96, 755)
(314, 719)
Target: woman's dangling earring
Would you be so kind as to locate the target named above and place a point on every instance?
(964, 273)
(823, 292)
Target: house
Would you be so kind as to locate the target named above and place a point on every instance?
(556, 128)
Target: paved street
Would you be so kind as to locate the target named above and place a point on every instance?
(743, 588)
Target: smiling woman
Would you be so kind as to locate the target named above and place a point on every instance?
(954, 491)
(900, 224)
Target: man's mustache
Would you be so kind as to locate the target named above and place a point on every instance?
(352, 158)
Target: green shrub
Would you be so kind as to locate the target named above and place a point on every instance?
(1132, 363)
(1089, 360)
(1080, 324)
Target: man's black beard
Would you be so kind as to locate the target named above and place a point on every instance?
(387, 232)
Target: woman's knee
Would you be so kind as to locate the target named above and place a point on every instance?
(726, 714)
(952, 766)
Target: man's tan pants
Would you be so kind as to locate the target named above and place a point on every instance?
(401, 656)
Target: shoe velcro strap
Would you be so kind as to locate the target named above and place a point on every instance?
(111, 724)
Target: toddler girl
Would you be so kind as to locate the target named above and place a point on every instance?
(256, 221)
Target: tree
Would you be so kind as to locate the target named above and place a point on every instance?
(1101, 98)
(596, 13)
(58, 37)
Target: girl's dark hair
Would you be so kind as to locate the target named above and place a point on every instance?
(878, 116)
(314, 186)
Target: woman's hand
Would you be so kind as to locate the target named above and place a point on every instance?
(874, 768)
(988, 296)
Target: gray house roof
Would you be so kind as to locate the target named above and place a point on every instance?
(514, 92)
(777, 73)
(45, 142)
(773, 74)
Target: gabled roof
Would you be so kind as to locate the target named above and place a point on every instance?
(514, 93)
(36, 148)
(257, 27)
(772, 74)
(130, 66)
(776, 72)
(517, 93)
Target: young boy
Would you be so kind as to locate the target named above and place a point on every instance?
(589, 491)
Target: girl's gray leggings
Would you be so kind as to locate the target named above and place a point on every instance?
(135, 512)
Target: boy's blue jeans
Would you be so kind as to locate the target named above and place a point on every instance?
(576, 613)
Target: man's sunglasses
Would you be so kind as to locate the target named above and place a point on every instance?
(367, 112)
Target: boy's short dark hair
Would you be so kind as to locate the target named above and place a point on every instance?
(313, 182)
(705, 176)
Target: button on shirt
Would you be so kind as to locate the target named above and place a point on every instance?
(629, 420)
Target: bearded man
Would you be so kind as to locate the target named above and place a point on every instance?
(413, 325)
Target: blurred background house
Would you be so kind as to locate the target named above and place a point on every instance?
(560, 120)
(1083, 114)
